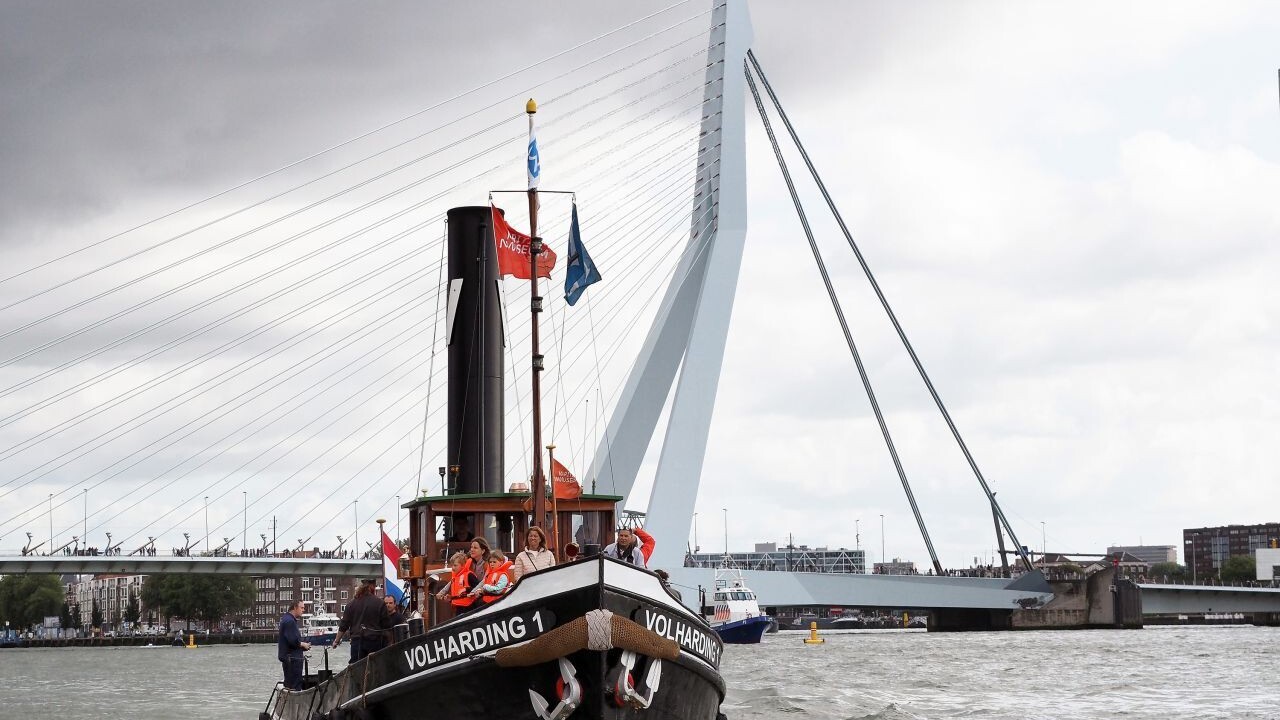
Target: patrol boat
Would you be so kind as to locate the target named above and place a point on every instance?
(736, 615)
(590, 637)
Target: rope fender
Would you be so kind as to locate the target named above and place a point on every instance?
(597, 630)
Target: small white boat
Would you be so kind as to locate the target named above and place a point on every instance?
(320, 628)
(736, 615)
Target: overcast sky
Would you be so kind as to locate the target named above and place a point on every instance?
(1072, 209)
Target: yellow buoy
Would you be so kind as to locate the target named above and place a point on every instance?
(813, 638)
(191, 640)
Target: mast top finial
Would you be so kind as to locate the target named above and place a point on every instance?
(531, 107)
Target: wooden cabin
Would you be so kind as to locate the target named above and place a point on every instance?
(437, 525)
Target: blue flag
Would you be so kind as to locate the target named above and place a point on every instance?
(580, 271)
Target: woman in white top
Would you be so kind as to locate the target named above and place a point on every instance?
(535, 555)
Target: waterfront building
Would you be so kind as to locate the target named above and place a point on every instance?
(1150, 554)
(327, 594)
(112, 593)
(1206, 549)
(793, 558)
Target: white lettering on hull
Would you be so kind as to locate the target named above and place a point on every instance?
(687, 636)
(474, 640)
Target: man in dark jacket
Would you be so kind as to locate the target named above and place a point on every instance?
(363, 622)
(289, 647)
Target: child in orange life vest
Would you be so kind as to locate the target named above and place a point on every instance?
(497, 581)
(457, 591)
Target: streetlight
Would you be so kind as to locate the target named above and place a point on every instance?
(85, 534)
(726, 531)
(355, 514)
(397, 518)
(882, 539)
(244, 537)
(50, 523)
(695, 533)
(206, 523)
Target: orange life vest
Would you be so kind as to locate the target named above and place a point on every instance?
(458, 586)
(492, 579)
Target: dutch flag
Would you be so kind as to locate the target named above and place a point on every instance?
(390, 569)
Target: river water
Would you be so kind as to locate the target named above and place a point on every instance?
(1157, 673)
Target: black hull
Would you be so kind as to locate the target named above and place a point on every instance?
(429, 677)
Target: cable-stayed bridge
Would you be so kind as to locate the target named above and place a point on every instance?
(259, 372)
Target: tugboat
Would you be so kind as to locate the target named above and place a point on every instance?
(590, 637)
(737, 617)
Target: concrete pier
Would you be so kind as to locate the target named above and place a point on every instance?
(1097, 601)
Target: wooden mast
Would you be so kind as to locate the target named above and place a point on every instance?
(535, 248)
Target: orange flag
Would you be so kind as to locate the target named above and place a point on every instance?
(513, 250)
(565, 484)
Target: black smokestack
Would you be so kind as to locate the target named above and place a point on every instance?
(474, 338)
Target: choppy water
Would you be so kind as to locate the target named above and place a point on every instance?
(1156, 674)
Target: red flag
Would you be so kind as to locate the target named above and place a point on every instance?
(513, 250)
(565, 484)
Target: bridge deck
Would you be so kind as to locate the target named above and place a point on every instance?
(157, 564)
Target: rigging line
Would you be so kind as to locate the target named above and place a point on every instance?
(407, 371)
(356, 393)
(700, 243)
(263, 226)
(226, 375)
(335, 445)
(623, 88)
(356, 138)
(699, 246)
(644, 231)
(227, 476)
(195, 362)
(508, 357)
(316, 275)
(884, 302)
(431, 371)
(281, 408)
(337, 218)
(844, 324)
(700, 249)
(318, 356)
(355, 475)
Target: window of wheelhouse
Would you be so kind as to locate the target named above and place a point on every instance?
(588, 529)
(499, 529)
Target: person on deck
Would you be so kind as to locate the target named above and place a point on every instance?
(496, 581)
(633, 547)
(458, 591)
(289, 646)
(363, 621)
(461, 530)
(666, 583)
(534, 556)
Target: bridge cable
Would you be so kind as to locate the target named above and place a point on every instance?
(866, 269)
(844, 325)
(358, 138)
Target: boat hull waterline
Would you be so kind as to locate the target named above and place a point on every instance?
(421, 677)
